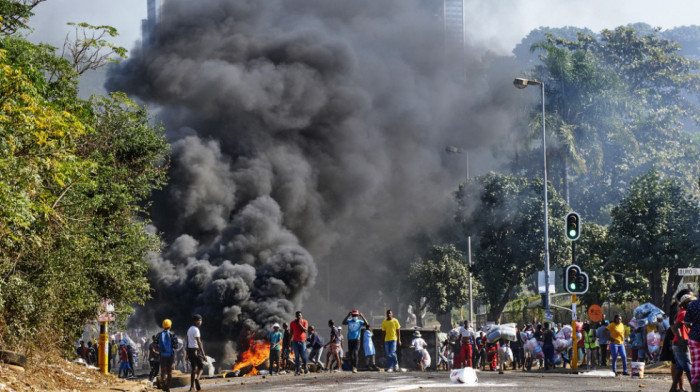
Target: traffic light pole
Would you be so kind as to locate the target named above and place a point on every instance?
(574, 339)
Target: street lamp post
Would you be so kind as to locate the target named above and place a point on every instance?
(522, 83)
(457, 150)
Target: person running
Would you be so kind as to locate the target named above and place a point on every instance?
(195, 352)
(167, 344)
(420, 352)
(354, 320)
(275, 338)
(316, 345)
(153, 358)
(299, 327)
(680, 343)
(616, 334)
(286, 347)
(392, 339)
(333, 346)
(467, 336)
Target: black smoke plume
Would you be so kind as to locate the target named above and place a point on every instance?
(308, 152)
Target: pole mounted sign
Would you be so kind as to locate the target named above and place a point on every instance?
(688, 271)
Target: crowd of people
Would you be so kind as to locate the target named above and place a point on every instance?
(673, 337)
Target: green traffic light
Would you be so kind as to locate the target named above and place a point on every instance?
(572, 233)
(572, 286)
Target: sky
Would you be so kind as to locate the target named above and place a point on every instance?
(499, 24)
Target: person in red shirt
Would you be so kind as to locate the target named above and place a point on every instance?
(680, 342)
(298, 327)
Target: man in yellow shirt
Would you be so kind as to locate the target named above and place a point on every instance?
(391, 326)
(616, 333)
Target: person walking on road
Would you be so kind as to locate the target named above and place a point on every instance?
(299, 326)
(153, 358)
(680, 343)
(392, 339)
(195, 352)
(354, 320)
(333, 346)
(467, 336)
(616, 334)
(314, 341)
(167, 344)
(692, 319)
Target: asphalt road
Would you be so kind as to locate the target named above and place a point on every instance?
(435, 381)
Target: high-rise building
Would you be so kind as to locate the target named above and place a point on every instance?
(149, 26)
(453, 19)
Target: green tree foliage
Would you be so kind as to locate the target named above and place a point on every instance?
(15, 14)
(508, 226)
(617, 103)
(74, 177)
(439, 282)
(655, 230)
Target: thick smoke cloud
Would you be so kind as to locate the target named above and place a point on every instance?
(308, 160)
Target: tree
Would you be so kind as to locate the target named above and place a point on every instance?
(505, 214)
(655, 230)
(439, 282)
(617, 103)
(74, 179)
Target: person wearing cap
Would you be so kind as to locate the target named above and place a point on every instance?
(195, 352)
(167, 344)
(420, 352)
(680, 340)
(354, 320)
(275, 338)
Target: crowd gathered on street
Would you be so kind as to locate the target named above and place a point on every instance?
(672, 336)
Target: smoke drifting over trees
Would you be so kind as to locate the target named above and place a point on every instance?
(308, 137)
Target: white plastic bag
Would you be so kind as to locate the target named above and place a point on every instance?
(466, 375)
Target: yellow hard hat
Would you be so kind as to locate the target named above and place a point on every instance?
(167, 323)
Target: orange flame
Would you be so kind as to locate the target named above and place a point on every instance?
(257, 353)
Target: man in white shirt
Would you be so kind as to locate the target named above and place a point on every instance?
(467, 335)
(420, 352)
(195, 352)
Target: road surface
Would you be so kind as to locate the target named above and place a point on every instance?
(435, 381)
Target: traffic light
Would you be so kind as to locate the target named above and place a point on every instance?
(573, 226)
(575, 280)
